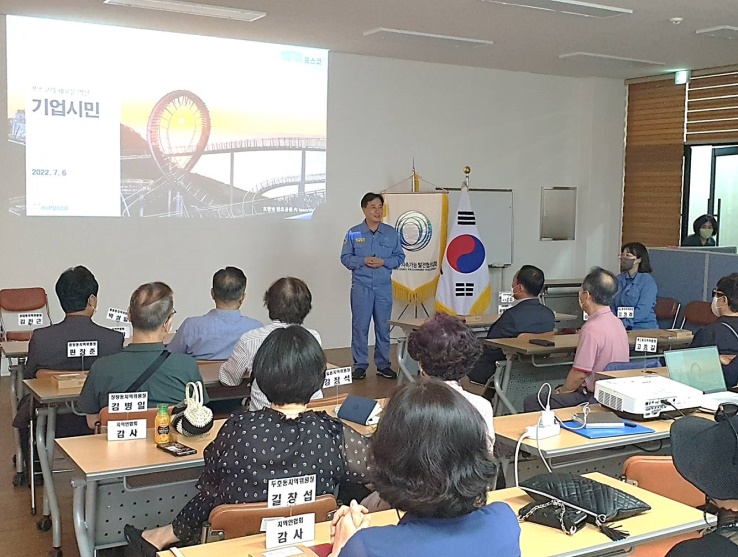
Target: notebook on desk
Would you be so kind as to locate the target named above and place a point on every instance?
(700, 368)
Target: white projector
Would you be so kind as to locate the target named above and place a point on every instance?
(643, 398)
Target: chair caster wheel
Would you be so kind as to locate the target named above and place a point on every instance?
(19, 479)
(44, 525)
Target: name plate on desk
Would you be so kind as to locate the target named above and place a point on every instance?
(337, 376)
(288, 492)
(506, 298)
(119, 315)
(646, 344)
(126, 430)
(82, 348)
(290, 531)
(125, 330)
(119, 403)
(29, 319)
(502, 308)
(626, 312)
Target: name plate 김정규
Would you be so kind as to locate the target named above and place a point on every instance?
(626, 312)
(119, 403)
(81, 348)
(290, 531)
(646, 344)
(337, 376)
(30, 319)
(119, 315)
(288, 492)
(126, 430)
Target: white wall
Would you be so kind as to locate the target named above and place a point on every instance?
(516, 130)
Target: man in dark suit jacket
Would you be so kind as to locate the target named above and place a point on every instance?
(527, 315)
(77, 292)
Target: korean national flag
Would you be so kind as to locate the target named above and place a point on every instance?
(463, 288)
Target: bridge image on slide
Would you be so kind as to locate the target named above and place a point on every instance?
(159, 182)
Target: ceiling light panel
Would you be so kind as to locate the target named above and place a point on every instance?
(721, 32)
(612, 60)
(571, 7)
(191, 8)
(426, 38)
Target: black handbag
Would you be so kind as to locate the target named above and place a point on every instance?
(600, 502)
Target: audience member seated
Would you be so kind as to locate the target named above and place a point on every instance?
(77, 291)
(150, 312)
(527, 315)
(446, 348)
(706, 455)
(288, 302)
(636, 288)
(284, 441)
(723, 333)
(705, 227)
(602, 340)
(429, 458)
(212, 336)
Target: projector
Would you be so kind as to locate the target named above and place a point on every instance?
(645, 398)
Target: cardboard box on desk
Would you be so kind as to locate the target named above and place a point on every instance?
(679, 333)
(69, 380)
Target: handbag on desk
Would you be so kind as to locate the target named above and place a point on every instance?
(191, 417)
(567, 501)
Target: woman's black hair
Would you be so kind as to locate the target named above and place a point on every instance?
(445, 347)
(699, 221)
(429, 455)
(640, 251)
(289, 365)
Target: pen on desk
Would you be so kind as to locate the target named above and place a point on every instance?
(176, 552)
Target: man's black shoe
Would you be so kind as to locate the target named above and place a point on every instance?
(358, 374)
(387, 372)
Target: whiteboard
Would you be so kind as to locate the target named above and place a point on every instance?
(494, 212)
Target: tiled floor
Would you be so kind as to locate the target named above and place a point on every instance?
(19, 536)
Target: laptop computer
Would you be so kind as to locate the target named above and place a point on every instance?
(700, 368)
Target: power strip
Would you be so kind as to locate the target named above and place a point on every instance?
(544, 432)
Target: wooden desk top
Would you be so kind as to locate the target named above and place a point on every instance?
(666, 518)
(662, 371)
(568, 343)
(485, 320)
(568, 442)
(19, 348)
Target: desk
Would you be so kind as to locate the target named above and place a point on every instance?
(478, 323)
(564, 344)
(665, 519)
(15, 349)
(662, 371)
(508, 430)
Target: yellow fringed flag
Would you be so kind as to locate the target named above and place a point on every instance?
(463, 288)
(421, 220)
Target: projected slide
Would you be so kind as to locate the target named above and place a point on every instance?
(114, 122)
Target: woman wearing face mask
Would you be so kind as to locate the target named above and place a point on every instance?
(705, 228)
(635, 301)
(723, 333)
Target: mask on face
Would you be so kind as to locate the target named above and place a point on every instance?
(714, 306)
(579, 299)
(706, 233)
(626, 264)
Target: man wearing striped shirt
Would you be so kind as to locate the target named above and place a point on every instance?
(288, 301)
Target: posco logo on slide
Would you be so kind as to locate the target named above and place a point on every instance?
(415, 230)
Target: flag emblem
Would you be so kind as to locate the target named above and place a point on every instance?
(465, 254)
(415, 230)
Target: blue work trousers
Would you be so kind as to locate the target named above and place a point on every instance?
(368, 303)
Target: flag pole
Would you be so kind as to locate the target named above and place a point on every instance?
(467, 171)
(416, 179)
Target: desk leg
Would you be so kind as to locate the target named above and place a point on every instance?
(402, 361)
(78, 513)
(16, 390)
(501, 382)
(50, 499)
(91, 515)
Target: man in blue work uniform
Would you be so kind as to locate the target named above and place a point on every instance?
(370, 251)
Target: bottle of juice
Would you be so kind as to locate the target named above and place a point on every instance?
(161, 425)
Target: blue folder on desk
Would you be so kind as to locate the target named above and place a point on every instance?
(631, 428)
